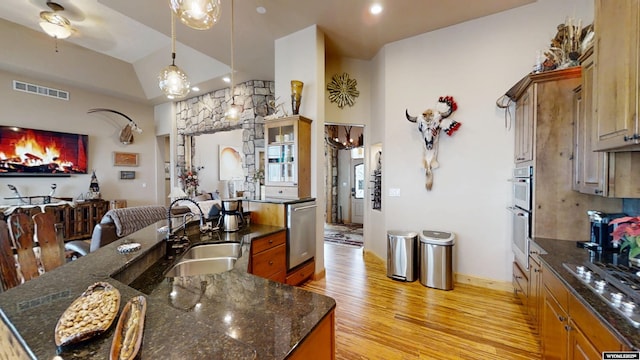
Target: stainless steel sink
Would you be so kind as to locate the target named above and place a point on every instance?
(207, 251)
(202, 266)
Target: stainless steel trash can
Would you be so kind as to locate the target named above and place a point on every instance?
(402, 255)
(436, 268)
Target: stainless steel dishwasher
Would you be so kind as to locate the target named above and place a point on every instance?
(301, 232)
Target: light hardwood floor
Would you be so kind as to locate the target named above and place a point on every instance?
(380, 318)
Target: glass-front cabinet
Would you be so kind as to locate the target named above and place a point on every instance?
(288, 157)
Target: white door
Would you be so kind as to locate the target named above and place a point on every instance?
(357, 193)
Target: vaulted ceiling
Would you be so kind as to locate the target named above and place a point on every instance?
(136, 34)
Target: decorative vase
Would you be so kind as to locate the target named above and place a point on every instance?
(296, 95)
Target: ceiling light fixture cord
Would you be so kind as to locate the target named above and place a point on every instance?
(173, 39)
(232, 47)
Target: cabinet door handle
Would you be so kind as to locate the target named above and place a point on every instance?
(598, 191)
(567, 327)
(270, 262)
(536, 270)
(270, 241)
(518, 277)
(561, 318)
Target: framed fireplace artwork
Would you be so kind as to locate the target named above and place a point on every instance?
(32, 152)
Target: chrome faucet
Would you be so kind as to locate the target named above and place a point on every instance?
(171, 207)
(175, 247)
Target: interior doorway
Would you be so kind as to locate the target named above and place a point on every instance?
(345, 184)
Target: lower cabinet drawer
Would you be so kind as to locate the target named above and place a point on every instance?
(302, 273)
(287, 192)
(268, 242)
(270, 261)
(279, 277)
(520, 283)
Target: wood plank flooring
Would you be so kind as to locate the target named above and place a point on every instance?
(380, 318)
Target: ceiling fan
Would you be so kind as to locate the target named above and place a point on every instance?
(55, 24)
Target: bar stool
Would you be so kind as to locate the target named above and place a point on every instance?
(8, 272)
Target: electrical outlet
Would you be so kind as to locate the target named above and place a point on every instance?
(394, 192)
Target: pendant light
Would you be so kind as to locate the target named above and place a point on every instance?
(172, 80)
(233, 113)
(197, 14)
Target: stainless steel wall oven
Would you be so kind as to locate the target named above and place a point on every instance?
(522, 186)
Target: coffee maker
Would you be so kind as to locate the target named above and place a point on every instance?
(600, 238)
(231, 218)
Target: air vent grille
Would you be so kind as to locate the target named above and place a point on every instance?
(40, 90)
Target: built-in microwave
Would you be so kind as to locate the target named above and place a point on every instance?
(522, 187)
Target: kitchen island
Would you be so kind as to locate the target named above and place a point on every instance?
(560, 252)
(230, 315)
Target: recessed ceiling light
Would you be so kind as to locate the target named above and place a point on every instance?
(195, 88)
(226, 79)
(261, 10)
(375, 9)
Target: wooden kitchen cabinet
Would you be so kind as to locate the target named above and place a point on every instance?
(558, 211)
(321, 343)
(569, 329)
(590, 168)
(269, 257)
(301, 273)
(617, 30)
(608, 174)
(523, 127)
(288, 157)
(534, 301)
(520, 283)
(555, 337)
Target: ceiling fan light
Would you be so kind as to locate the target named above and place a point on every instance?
(55, 25)
(197, 14)
(174, 82)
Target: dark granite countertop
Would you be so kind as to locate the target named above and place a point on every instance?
(559, 252)
(231, 315)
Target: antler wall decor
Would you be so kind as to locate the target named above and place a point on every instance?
(429, 124)
(126, 133)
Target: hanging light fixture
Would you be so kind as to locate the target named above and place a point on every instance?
(54, 24)
(233, 112)
(172, 80)
(342, 140)
(197, 14)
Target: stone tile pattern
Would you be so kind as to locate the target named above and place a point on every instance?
(204, 114)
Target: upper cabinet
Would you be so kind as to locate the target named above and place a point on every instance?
(616, 77)
(590, 168)
(288, 157)
(524, 127)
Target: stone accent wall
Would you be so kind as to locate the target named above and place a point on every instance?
(204, 114)
(331, 188)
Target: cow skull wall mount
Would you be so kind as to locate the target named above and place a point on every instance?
(429, 124)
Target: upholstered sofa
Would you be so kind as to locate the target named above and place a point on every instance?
(118, 223)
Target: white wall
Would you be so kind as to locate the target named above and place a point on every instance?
(40, 112)
(476, 62)
(207, 155)
(300, 56)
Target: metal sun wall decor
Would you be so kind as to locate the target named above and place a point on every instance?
(429, 124)
(342, 90)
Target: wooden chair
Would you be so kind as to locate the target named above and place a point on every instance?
(8, 273)
(49, 238)
(21, 232)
